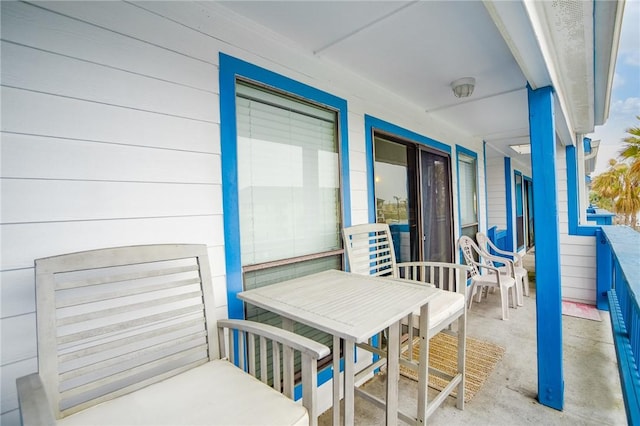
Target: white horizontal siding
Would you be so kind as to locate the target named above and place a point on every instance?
(36, 200)
(111, 136)
(17, 292)
(28, 156)
(41, 114)
(496, 190)
(93, 44)
(20, 248)
(577, 253)
(56, 74)
(107, 140)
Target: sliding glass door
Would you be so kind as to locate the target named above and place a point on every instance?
(413, 196)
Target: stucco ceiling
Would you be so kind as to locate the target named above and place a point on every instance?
(416, 49)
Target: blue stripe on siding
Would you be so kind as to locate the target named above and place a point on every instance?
(371, 124)
(572, 196)
(548, 294)
(230, 69)
(508, 183)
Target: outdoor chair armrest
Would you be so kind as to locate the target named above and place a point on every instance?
(297, 342)
(499, 259)
(310, 352)
(493, 270)
(516, 258)
(33, 401)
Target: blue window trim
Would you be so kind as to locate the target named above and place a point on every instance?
(572, 196)
(474, 155)
(508, 183)
(372, 123)
(230, 69)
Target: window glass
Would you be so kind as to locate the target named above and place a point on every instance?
(289, 200)
(467, 172)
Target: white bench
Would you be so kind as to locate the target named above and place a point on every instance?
(128, 336)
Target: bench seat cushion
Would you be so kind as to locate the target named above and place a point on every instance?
(216, 393)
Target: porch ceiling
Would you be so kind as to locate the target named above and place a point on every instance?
(415, 49)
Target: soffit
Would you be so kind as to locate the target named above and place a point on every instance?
(416, 49)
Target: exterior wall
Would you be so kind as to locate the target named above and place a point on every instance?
(577, 253)
(111, 137)
(496, 190)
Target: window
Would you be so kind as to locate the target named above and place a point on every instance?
(285, 187)
(288, 189)
(288, 180)
(468, 193)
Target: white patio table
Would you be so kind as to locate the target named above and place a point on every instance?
(353, 308)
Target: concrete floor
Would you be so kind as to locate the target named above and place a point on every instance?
(592, 386)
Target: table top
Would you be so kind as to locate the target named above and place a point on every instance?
(347, 305)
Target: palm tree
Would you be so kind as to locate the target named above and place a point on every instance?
(608, 185)
(631, 149)
(619, 187)
(631, 152)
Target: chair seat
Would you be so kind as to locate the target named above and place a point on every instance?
(504, 270)
(491, 280)
(204, 395)
(441, 308)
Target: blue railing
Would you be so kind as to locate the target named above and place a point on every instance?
(618, 258)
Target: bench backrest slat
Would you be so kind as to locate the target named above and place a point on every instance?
(112, 321)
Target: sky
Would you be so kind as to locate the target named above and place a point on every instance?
(625, 96)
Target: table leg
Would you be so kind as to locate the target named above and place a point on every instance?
(393, 373)
(349, 381)
(336, 380)
(423, 365)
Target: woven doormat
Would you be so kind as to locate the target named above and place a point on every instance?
(481, 359)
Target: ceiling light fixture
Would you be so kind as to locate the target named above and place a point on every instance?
(523, 148)
(463, 87)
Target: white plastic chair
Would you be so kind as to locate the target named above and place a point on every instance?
(486, 275)
(522, 275)
(370, 251)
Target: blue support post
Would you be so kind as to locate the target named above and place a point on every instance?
(547, 231)
(604, 266)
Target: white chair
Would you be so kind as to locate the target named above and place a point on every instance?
(370, 251)
(485, 275)
(522, 275)
(128, 335)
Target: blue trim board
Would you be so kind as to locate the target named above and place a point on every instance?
(508, 184)
(370, 125)
(572, 196)
(230, 69)
(548, 294)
